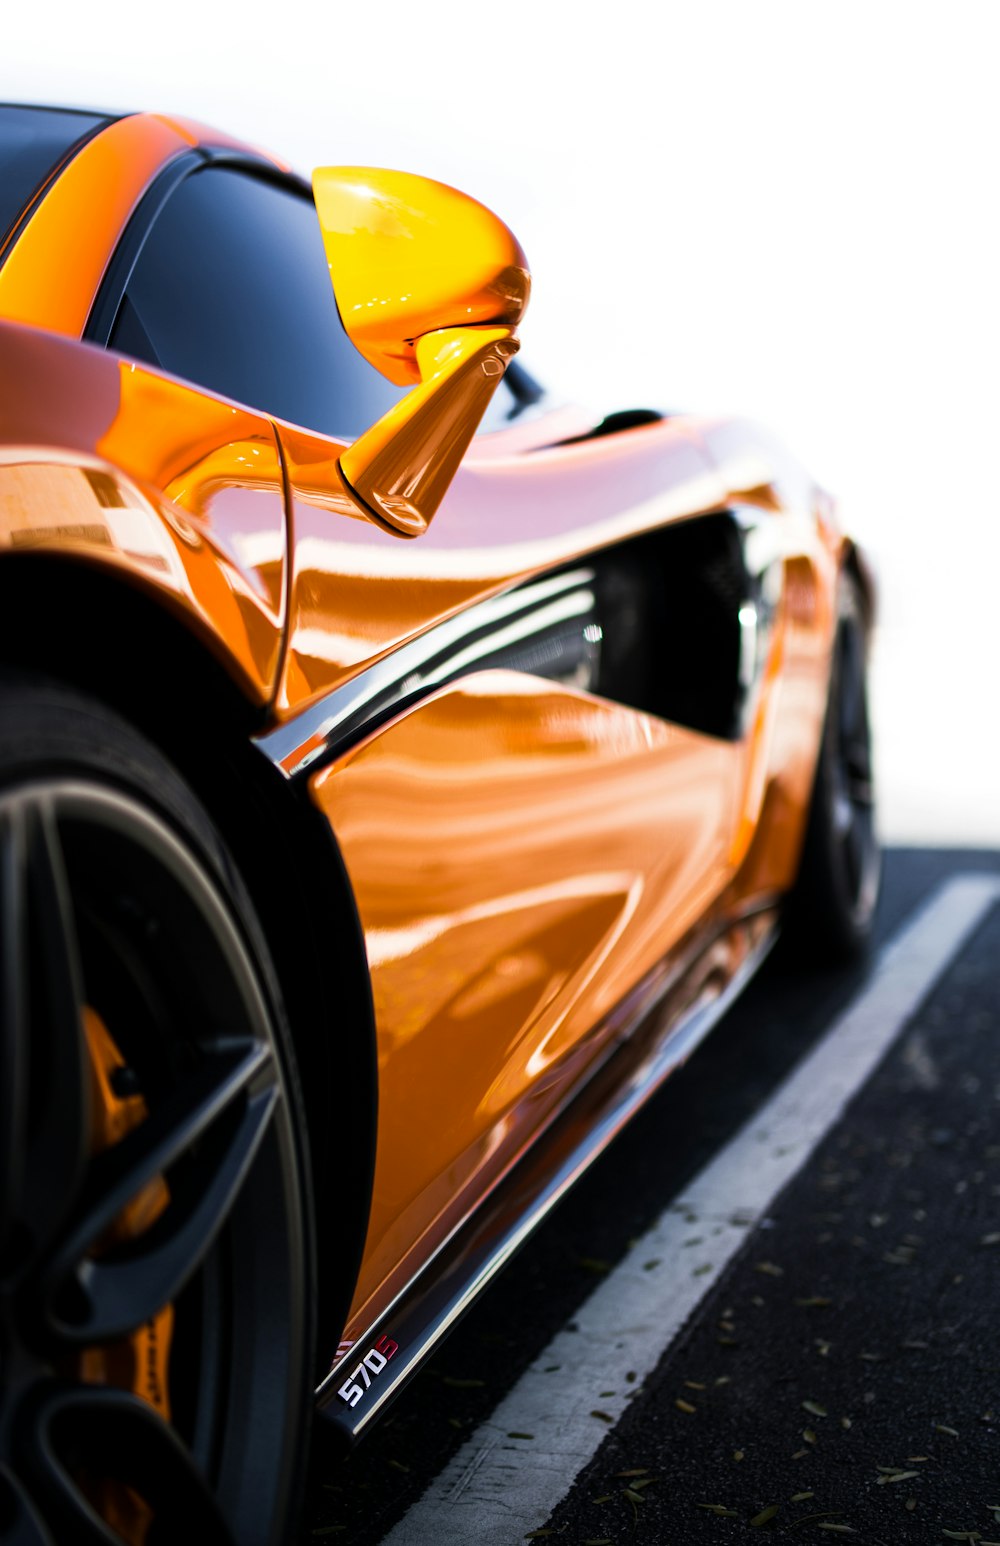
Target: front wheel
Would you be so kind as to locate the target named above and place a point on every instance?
(155, 1255)
(831, 912)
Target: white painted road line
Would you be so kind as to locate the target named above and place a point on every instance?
(497, 1488)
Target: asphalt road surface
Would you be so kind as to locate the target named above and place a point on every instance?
(708, 1337)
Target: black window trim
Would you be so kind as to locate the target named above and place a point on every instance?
(108, 301)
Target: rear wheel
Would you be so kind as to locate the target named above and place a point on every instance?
(155, 1257)
(832, 909)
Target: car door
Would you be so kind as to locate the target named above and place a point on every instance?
(525, 846)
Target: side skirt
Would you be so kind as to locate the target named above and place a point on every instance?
(653, 1031)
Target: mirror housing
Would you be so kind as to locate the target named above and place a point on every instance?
(430, 286)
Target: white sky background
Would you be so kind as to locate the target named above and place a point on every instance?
(784, 208)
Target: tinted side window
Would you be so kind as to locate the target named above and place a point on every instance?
(33, 140)
(231, 290)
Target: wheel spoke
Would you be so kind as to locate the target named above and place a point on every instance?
(851, 683)
(842, 811)
(860, 791)
(20, 1524)
(856, 754)
(854, 855)
(44, 1117)
(75, 1439)
(223, 1111)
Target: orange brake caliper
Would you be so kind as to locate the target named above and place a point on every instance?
(138, 1362)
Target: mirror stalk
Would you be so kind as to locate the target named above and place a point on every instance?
(402, 466)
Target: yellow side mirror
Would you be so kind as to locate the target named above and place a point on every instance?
(430, 286)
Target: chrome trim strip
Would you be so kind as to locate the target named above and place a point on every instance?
(425, 1311)
(448, 650)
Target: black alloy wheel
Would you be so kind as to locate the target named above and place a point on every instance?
(155, 1255)
(832, 909)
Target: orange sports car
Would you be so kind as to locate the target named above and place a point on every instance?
(399, 773)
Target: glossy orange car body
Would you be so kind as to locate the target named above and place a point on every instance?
(526, 856)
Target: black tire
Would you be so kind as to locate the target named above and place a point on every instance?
(830, 914)
(120, 909)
